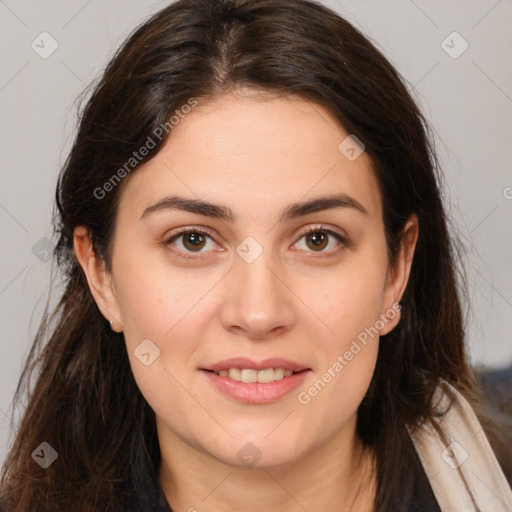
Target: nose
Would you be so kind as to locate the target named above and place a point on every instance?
(257, 302)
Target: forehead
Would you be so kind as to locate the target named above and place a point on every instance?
(256, 155)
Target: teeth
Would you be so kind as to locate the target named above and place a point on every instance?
(265, 376)
(249, 375)
(278, 374)
(261, 376)
(234, 373)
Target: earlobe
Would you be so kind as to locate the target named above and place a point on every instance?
(99, 280)
(390, 319)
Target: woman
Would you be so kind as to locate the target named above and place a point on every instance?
(261, 307)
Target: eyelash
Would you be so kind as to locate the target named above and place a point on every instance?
(197, 230)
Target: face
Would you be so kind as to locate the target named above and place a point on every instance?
(248, 281)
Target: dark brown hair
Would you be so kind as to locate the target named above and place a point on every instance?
(85, 402)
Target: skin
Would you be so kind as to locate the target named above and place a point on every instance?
(255, 155)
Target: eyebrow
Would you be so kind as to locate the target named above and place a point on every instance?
(293, 211)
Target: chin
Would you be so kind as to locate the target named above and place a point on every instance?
(260, 452)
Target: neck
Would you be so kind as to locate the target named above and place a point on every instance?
(340, 471)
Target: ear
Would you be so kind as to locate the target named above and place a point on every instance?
(99, 280)
(398, 276)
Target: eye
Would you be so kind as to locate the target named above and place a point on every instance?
(317, 239)
(192, 241)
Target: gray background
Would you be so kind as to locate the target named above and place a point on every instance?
(467, 99)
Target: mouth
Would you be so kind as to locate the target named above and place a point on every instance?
(248, 375)
(255, 382)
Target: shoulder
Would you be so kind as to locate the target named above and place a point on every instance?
(423, 498)
(496, 388)
(455, 451)
(148, 492)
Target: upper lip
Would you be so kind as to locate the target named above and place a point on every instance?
(246, 363)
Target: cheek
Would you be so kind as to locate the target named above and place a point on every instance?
(345, 360)
(349, 306)
(348, 299)
(161, 309)
(156, 300)
(158, 304)
(348, 350)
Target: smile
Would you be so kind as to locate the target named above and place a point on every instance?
(249, 375)
(245, 385)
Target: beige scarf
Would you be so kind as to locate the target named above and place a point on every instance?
(463, 473)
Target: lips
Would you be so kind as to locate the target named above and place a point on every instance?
(249, 391)
(255, 392)
(249, 364)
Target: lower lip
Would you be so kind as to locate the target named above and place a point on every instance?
(254, 392)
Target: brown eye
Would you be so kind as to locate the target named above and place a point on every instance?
(193, 241)
(189, 241)
(318, 238)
